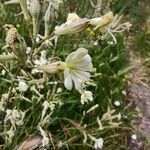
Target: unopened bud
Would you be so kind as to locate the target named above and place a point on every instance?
(34, 8)
(73, 27)
(35, 11)
(23, 4)
(52, 68)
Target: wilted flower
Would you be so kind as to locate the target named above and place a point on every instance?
(86, 96)
(11, 34)
(77, 70)
(99, 143)
(73, 27)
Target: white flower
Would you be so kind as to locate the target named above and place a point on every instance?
(3, 72)
(28, 50)
(117, 103)
(42, 59)
(77, 70)
(87, 95)
(34, 71)
(59, 90)
(99, 143)
(134, 136)
(22, 86)
(37, 39)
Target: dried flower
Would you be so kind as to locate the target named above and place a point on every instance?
(11, 34)
(77, 70)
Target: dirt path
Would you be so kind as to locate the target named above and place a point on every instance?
(139, 96)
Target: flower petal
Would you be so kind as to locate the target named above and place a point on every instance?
(76, 56)
(83, 64)
(68, 80)
(77, 82)
(83, 76)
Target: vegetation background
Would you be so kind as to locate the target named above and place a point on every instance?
(111, 81)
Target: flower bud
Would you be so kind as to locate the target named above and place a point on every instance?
(49, 15)
(23, 4)
(52, 68)
(34, 8)
(35, 11)
(73, 27)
